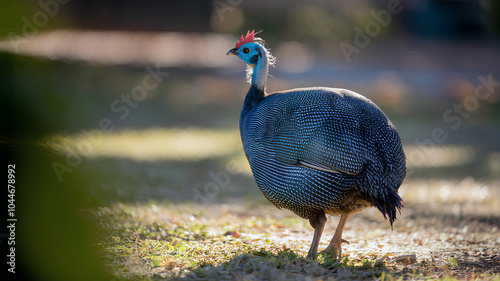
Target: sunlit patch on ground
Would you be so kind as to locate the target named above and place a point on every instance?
(152, 145)
(438, 155)
(123, 47)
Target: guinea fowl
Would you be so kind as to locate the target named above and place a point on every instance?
(318, 151)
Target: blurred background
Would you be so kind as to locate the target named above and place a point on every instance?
(121, 101)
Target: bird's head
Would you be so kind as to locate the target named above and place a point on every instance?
(249, 49)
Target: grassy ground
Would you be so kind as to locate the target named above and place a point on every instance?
(439, 235)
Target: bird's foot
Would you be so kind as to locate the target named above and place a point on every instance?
(334, 249)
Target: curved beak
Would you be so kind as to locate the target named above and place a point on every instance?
(233, 51)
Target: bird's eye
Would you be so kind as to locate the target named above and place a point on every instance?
(246, 50)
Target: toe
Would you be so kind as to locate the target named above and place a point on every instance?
(334, 251)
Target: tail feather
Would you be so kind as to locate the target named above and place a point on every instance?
(389, 203)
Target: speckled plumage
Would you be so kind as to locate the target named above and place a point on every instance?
(286, 134)
(319, 150)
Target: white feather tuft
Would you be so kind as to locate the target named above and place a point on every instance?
(257, 73)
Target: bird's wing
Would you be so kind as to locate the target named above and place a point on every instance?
(318, 130)
(333, 142)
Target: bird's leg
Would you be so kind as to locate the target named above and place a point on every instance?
(318, 223)
(334, 249)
